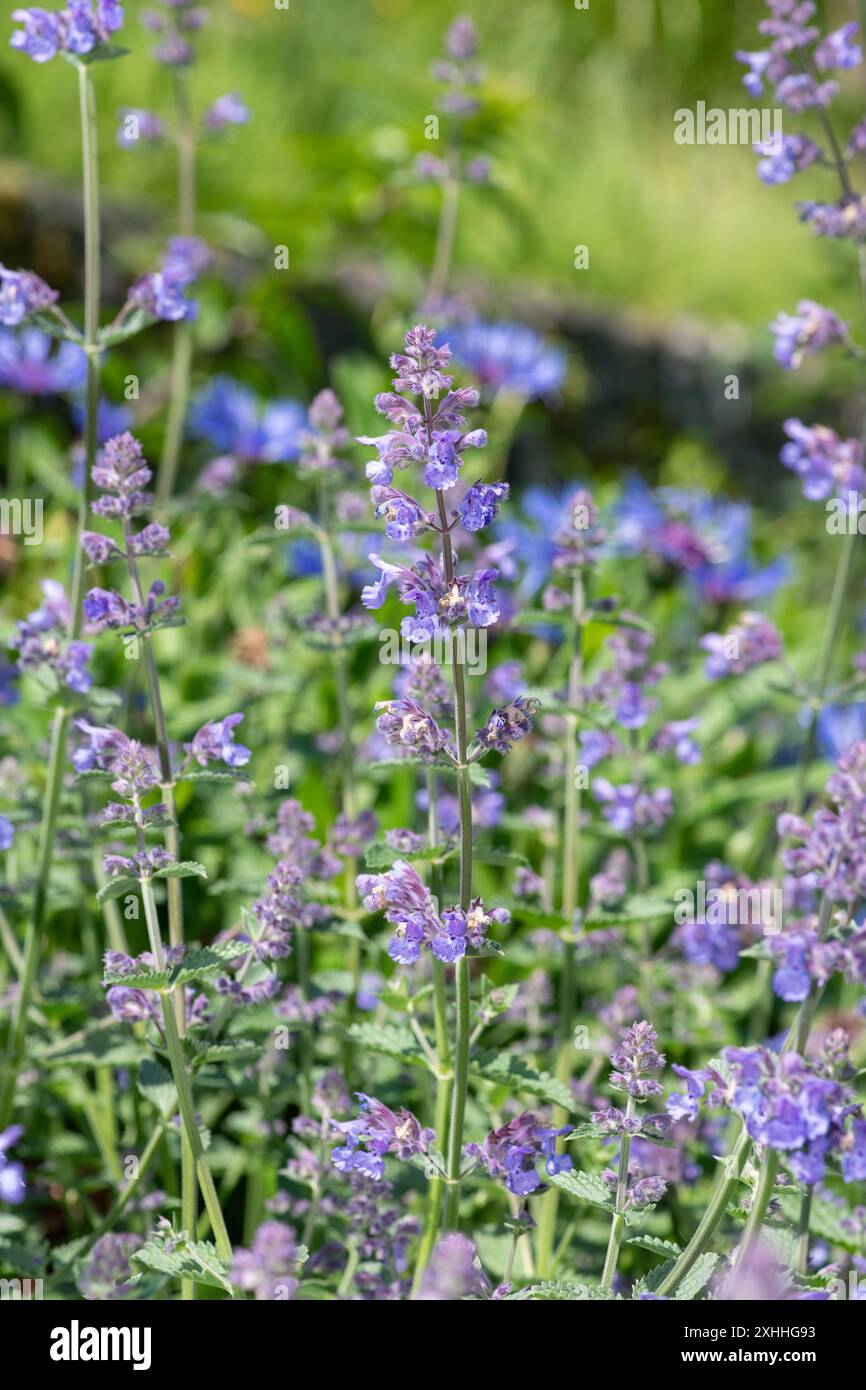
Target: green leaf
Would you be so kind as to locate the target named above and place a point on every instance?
(667, 1248)
(156, 1085)
(642, 907)
(585, 1187)
(213, 774)
(389, 1040)
(825, 1221)
(698, 1276)
(100, 1047)
(188, 868)
(205, 960)
(117, 888)
(139, 979)
(197, 1260)
(561, 1291)
(509, 1070)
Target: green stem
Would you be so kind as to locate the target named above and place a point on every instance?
(461, 970)
(445, 235)
(57, 759)
(802, 1261)
(757, 1211)
(330, 579)
(442, 1104)
(181, 362)
(617, 1224)
(15, 1044)
(570, 895)
(183, 1086)
(121, 1203)
(302, 948)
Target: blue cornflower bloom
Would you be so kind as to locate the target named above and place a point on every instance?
(27, 364)
(232, 418)
(508, 357)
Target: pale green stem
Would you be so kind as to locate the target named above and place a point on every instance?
(181, 362)
(617, 1224)
(570, 895)
(183, 1086)
(15, 1045)
(461, 970)
(442, 1105)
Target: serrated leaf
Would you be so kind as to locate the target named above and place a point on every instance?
(116, 888)
(138, 979)
(187, 868)
(510, 1070)
(389, 1040)
(585, 1187)
(100, 1047)
(666, 1248)
(642, 907)
(197, 1260)
(213, 774)
(207, 959)
(560, 1290)
(698, 1276)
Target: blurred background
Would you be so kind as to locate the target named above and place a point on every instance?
(690, 256)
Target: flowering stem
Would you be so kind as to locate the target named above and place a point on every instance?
(183, 1086)
(735, 1162)
(330, 580)
(60, 729)
(174, 890)
(570, 894)
(305, 1042)
(617, 1224)
(801, 1263)
(461, 969)
(123, 1200)
(445, 237)
(757, 1211)
(181, 360)
(443, 1054)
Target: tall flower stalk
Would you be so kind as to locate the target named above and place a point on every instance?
(446, 603)
(33, 944)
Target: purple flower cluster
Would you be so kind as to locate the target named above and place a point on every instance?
(833, 849)
(161, 294)
(788, 1104)
(215, 743)
(41, 645)
(409, 906)
(828, 466)
(376, 1132)
(267, 1268)
(123, 475)
(806, 333)
(752, 641)
(77, 30)
(787, 65)
(183, 18)
(21, 294)
(512, 1152)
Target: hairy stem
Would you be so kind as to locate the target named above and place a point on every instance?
(15, 1044)
(181, 361)
(617, 1224)
(570, 896)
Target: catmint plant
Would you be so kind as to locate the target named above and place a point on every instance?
(428, 416)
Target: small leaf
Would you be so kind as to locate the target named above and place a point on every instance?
(116, 888)
(188, 868)
(509, 1070)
